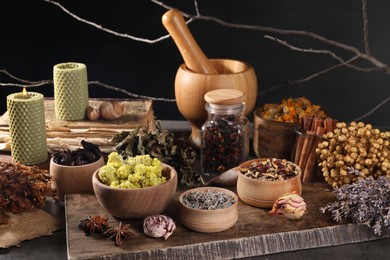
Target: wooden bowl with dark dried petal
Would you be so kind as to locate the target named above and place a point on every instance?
(73, 179)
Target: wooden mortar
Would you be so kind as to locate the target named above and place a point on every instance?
(198, 75)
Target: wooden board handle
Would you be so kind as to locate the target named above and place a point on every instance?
(193, 56)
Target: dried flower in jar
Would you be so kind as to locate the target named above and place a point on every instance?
(222, 146)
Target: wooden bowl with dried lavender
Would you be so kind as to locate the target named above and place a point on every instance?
(261, 181)
(208, 209)
(72, 170)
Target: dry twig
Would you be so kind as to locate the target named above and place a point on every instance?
(377, 65)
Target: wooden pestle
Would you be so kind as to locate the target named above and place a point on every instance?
(193, 56)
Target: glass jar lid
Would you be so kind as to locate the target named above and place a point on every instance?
(224, 96)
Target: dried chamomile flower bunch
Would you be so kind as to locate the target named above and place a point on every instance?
(358, 146)
(365, 202)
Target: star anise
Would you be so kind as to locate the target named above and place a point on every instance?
(120, 233)
(95, 224)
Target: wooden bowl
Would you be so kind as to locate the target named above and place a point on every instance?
(73, 179)
(272, 139)
(263, 193)
(136, 203)
(208, 221)
(190, 88)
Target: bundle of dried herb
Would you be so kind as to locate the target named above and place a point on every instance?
(163, 145)
(365, 202)
(22, 188)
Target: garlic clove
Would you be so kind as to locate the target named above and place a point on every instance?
(93, 113)
(291, 205)
(111, 110)
(159, 226)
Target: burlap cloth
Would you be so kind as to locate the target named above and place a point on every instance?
(26, 226)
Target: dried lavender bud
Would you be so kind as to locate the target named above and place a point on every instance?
(365, 202)
(159, 226)
(208, 200)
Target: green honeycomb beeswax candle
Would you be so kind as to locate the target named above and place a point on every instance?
(27, 127)
(70, 90)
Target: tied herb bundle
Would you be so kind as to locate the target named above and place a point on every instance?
(365, 202)
(163, 145)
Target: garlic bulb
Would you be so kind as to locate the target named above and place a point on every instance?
(93, 113)
(159, 226)
(290, 205)
(111, 110)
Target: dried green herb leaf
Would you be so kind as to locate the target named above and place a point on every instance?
(163, 145)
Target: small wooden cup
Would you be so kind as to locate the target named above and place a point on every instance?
(272, 139)
(73, 179)
(208, 221)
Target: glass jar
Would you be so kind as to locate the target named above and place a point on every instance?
(224, 134)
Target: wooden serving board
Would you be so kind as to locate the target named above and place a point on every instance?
(63, 134)
(255, 233)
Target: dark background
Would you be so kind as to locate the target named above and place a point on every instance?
(36, 35)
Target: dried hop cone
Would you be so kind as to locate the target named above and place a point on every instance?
(290, 205)
(159, 226)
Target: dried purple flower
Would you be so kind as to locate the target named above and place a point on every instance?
(365, 202)
(159, 226)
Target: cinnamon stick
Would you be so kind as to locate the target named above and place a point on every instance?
(317, 122)
(307, 121)
(306, 148)
(298, 148)
(328, 125)
(312, 159)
